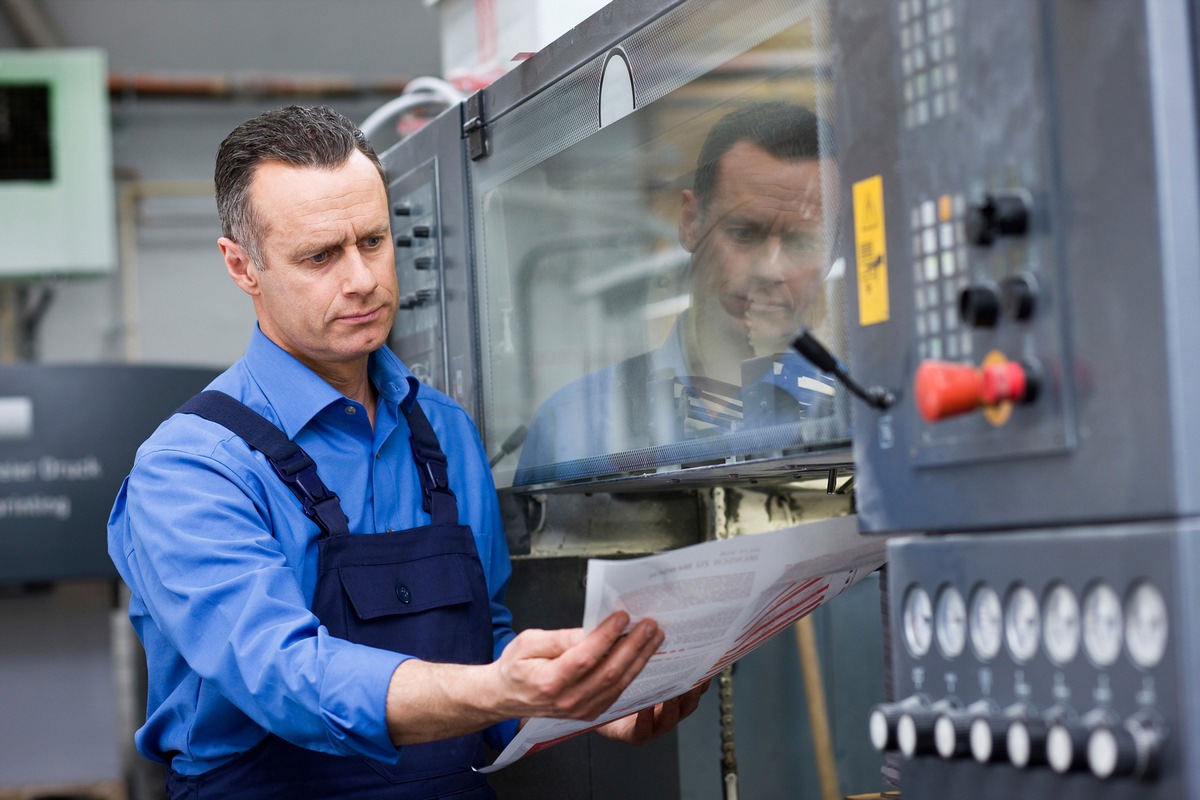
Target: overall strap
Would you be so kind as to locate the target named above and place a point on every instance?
(291, 463)
(438, 500)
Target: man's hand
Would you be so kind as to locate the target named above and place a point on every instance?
(650, 723)
(564, 674)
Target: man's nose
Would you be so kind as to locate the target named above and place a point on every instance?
(359, 277)
(770, 263)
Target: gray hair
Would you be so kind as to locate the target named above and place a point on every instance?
(315, 136)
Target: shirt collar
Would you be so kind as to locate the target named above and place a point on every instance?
(297, 394)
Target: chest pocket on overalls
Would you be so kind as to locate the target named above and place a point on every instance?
(420, 591)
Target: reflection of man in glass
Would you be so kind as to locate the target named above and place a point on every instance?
(754, 225)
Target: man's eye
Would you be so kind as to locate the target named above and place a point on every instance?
(371, 242)
(803, 243)
(742, 233)
(320, 258)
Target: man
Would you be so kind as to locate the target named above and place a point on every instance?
(754, 224)
(337, 631)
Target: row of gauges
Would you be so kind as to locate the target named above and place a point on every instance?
(1102, 622)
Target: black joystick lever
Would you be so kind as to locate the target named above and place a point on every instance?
(811, 348)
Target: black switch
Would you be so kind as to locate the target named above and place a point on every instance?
(404, 241)
(1020, 296)
(979, 305)
(998, 214)
(422, 231)
(423, 262)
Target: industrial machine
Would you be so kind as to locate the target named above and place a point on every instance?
(548, 285)
(1023, 187)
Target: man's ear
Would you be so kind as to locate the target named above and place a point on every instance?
(689, 221)
(239, 266)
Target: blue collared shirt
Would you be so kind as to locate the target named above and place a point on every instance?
(222, 562)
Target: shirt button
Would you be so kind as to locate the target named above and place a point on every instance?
(351, 410)
(403, 594)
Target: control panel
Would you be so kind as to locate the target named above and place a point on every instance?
(1043, 658)
(1022, 200)
(1023, 189)
(415, 234)
(427, 193)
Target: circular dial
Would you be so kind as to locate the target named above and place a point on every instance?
(950, 623)
(1146, 625)
(1022, 623)
(985, 622)
(1102, 624)
(1060, 626)
(918, 621)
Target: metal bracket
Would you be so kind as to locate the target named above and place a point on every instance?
(479, 143)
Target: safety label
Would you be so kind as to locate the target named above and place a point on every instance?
(870, 248)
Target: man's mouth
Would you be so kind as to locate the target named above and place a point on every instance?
(365, 316)
(762, 305)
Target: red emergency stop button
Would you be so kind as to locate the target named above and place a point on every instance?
(945, 389)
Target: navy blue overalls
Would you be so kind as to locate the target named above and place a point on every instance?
(420, 591)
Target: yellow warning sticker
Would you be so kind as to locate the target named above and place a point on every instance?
(870, 249)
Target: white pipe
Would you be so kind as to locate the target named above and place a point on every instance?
(418, 92)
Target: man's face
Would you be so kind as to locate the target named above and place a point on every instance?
(758, 252)
(328, 293)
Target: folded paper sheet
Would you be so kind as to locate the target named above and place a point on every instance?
(716, 602)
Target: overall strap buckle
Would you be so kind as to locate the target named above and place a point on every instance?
(437, 499)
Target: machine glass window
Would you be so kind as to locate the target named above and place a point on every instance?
(1146, 625)
(1061, 627)
(1102, 624)
(918, 622)
(1022, 624)
(25, 151)
(951, 624)
(986, 622)
(643, 284)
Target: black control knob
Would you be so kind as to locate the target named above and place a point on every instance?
(402, 209)
(1025, 742)
(1028, 739)
(1020, 296)
(979, 305)
(422, 231)
(1131, 749)
(404, 241)
(952, 729)
(914, 729)
(988, 734)
(1003, 213)
(423, 262)
(1067, 746)
(950, 734)
(884, 717)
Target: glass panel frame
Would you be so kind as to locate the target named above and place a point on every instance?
(582, 272)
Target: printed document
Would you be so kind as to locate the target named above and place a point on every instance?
(716, 601)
